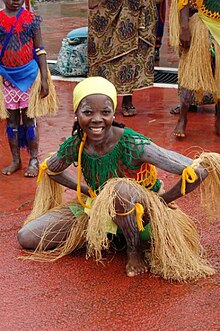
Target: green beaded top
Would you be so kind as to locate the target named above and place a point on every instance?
(212, 5)
(119, 162)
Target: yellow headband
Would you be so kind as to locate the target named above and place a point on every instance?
(94, 85)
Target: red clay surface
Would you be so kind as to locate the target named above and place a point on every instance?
(76, 294)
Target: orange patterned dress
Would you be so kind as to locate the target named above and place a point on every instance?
(121, 43)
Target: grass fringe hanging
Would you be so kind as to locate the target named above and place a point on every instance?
(210, 188)
(49, 194)
(74, 239)
(176, 253)
(192, 73)
(42, 106)
(37, 106)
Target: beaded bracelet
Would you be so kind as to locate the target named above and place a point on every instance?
(41, 52)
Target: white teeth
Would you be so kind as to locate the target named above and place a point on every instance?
(96, 130)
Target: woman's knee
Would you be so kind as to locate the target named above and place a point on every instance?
(126, 195)
(27, 239)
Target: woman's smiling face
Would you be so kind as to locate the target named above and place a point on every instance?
(95, 116)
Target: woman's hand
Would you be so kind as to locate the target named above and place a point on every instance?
(44, 88)
(185, 38)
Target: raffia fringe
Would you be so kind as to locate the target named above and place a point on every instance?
(49, 198)
(176, 253)
(49, 194)
(195, 70)
(75, 239)
(37, 106)
(174, 25)
(42, 106)
(210, 188)
(3, 110)
(217, 68)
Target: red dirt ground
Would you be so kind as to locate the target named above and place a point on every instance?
(75, 293)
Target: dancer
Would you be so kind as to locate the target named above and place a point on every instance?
(194, 28)
(122, 194)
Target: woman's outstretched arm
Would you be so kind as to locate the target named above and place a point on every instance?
(175, 163)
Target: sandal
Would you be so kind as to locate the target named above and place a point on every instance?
(175, 111)
(128, 111)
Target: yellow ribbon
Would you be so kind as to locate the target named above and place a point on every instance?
(42, 168)
(139, 209)
(189, 176)
(79, 173)
(182, 4)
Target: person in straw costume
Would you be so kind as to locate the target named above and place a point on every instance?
(26, 88)
(122, 193)
(195, 33)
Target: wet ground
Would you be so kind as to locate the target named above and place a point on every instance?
(75, 294)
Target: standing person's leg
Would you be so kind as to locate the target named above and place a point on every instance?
(13, 123)
(186, 97)
(33, 144)
(161, 10)
(217, 123)
(127, 106)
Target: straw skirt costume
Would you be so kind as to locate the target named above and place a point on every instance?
(199, 66)
(175, 253)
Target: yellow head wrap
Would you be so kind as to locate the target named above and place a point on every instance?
(94, 85)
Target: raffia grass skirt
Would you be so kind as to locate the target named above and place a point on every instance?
(37, 106)
(195, 70)
(175, 254)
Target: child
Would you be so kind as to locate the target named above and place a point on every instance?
(23, 73)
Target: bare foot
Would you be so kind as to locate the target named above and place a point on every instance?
(14, 166)
(136, 264)
(32, 169)
(179, 131)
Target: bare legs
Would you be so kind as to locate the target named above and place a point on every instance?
(186, 97)
(31, 131)
(30, 235)
(12, 128)
(33, 143)
(58, 223)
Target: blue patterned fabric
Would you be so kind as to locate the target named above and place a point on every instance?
(72, 58)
